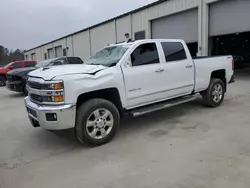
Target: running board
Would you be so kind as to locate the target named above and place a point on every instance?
(160, 106)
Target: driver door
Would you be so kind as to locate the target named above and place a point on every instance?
(142, 75)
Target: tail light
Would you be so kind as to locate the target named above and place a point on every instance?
(233, 64)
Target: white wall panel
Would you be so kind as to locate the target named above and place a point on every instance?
(82, 45)
(69, 43)
(123, 26)
(39, 54)
(102, 36)
(61, 42)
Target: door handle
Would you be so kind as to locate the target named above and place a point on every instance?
(189, 66)
(159, 70)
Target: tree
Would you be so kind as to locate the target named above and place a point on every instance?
(6, 55)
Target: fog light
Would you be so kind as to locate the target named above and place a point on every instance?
(51, 117)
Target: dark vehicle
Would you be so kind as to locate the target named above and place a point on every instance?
(14, 65)
(239, 62)
(16, 79)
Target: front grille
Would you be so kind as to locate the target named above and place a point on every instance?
(36, 98)
(12, 78)
(34, 85)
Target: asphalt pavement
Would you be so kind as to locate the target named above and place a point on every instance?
(187, 146)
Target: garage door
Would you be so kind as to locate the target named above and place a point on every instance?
(179, 26)
(33, 56)
(59, 51)
(50, 53)
(230, 16)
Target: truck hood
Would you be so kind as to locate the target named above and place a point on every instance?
(48, 73)
(23, 72)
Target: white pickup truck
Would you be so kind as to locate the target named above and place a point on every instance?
(135, 77)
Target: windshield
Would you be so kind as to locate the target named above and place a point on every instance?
(108, 56)
(6, 66)
(44, 63)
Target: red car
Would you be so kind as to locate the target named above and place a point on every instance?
(14, 65)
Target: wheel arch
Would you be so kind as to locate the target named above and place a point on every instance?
(110, 94)
(220, 74)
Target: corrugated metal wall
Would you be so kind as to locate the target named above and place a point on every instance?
(102, 36)
(87, 42)
(123, 25)
(82, 45)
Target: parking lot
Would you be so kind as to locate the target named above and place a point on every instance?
(188, 146)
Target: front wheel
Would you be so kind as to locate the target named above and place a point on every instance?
(97, 122)
(2, 80)
(215, 93)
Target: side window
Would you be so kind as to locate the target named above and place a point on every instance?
(30, 64)
(58, 62)
(74, 60)
(145, 54)
(174, 51)
(17, 65)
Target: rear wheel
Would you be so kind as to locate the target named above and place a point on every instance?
(215, 93)
(2, 80)
(97, 122)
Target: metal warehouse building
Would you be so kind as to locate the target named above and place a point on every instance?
(210, 27)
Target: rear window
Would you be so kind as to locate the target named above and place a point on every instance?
(30, 64)
(74, 60)
(174, 51)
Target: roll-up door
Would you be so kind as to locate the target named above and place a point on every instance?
(33, 56)
(59, 51)
(230, 16)
(183, 25)
(50, 53)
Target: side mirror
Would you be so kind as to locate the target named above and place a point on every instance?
(128, 62)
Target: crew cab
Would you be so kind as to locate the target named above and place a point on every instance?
(16, 79)
(14, 65)
(136, 78)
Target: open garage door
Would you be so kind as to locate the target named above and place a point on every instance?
(183, 25)
(229, 30)
(228, 17)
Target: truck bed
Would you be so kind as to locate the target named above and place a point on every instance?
(204, 66)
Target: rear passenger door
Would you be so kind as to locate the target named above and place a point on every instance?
(178, 69)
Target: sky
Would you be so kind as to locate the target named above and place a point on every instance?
(25, 24)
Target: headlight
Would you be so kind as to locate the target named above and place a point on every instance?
(53, 86)
(53, 92)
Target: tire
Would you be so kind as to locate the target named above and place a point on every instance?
(2, 80)
(215, 93)
(88, 122)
